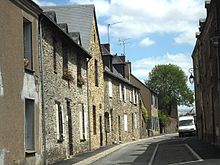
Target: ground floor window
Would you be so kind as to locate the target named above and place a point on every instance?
(29, 125)
(82, 122)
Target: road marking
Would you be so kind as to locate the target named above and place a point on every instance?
(193, 152)
(153, 155)
(186, 162)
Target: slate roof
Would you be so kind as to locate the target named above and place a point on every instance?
(78, 17)
(65, 35)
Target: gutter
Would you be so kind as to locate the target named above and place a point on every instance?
(41, 56)
(88, 101)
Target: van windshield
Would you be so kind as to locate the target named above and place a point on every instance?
(186, 122)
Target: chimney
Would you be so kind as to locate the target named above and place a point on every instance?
(128, 70)
(107, 47)
(201, 23)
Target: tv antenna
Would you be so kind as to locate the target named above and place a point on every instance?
(123, 42)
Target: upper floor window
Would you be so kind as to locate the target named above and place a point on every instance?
(96, 74)
(29, 125)
(110, 87)
(120, 91)
(27, 43)
(65, 60)
(54, 55)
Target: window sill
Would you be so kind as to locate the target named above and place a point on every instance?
(29, 71)
(30, 153)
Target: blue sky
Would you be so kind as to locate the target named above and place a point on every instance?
(155, 31)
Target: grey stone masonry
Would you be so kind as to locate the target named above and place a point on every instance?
(123, 109)
(65, 95)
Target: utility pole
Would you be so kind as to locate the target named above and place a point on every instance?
(108, 29)
(123, 42)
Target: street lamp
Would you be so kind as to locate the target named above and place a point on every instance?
(191, 77)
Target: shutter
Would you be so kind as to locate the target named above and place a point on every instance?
(134, 97)
(110, 87)
(125, 123)
(63, 120)
(120, 93)
(125, 97)
(80, 121)
(56, 108)
(85, 121)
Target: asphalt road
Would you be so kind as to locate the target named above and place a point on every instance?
(164, 150)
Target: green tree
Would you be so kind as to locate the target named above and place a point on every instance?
(169, 81)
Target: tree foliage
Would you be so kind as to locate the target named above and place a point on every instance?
(169, 81)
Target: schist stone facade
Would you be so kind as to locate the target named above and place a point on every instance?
(82, 19)
(65, 94)
(122, 110)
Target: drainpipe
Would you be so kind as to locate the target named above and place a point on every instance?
(88, 101)
(41, 59)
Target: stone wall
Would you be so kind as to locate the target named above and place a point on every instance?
(96, 93)
(59, 89)
(117, 108)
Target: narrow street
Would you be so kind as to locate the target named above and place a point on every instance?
(164, 150)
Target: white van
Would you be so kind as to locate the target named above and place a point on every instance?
(186, 126)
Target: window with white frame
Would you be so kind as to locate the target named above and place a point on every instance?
(110, 87)
(60, 121)
(130, 96)
(125, 122)
(29, 125)
(120, 91)
(134, 99)
(135, 120)
(82, 122)
(125, 97)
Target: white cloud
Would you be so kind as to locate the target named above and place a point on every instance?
(142, 17)
(141, 68)
(147, 42)
(44, 3)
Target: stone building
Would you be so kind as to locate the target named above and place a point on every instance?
(122, 110)
(150, 102)
(82, 19)
(19, 83)
(206, 67)
(64, 91)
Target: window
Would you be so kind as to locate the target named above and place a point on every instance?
(125, 122)
(120, 93)
(135, 120)
(134, 98)
(54, 56)
(27, 42)
(107, 122)
(96, 74)
(125, 97)
(130, 96)
(94, 119)
(82, 119)
(110, 87)
(136, 95)
(29, 125)
(65, 60)
(111, 120)
(60, 121)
